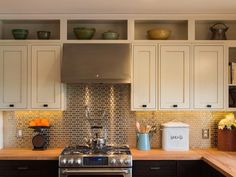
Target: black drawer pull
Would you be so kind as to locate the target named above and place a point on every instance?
(45, 105)
(155, 168)
(144, 105)
(209, 106)
(11, 105)
(175, 105)
(22, 168)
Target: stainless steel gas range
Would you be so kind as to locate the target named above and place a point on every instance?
(109, 161)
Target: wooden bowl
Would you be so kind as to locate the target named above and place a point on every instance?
(159, 33)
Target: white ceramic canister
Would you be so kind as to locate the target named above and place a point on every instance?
(175, 136)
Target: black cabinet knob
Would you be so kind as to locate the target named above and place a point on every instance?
(175, 105)
(144, 105)
(11, 105)
(45, 105)
(208, 106)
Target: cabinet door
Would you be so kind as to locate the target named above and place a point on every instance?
(154, 168)
(46, 91)
(208, 77)
(144, 78)
(174, 77)
(13, 77)
(28, 168)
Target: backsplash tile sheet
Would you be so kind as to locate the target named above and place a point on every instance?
(108, 105)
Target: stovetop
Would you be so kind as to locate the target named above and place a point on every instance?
(84, 156)
(107, 150)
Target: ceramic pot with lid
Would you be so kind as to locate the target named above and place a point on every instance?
(219, 31)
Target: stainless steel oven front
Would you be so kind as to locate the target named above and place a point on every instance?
(95, 172)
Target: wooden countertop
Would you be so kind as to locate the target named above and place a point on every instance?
(28, 154)
(225, 162)
(158, 154)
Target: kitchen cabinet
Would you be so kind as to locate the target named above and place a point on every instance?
(28, 168)
(208, 77)
(144, 78)
(196, 168)
(13, 77)
(172, 168)
(46, 86)
(174, 77)
(154, 168)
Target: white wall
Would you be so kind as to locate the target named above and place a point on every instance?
(1, 130)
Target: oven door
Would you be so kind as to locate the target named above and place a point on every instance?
(95, 172)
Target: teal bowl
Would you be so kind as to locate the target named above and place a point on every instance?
(20, 33)
(84, 33)
(110, 35)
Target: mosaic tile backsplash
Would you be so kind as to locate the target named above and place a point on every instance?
(107, 105)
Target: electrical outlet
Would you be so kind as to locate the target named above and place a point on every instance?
(205, 134)
(19, 133)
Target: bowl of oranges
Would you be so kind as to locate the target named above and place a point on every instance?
(39, 123)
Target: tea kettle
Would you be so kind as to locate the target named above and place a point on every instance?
(218, 31)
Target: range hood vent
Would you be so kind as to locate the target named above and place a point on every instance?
(96, 63)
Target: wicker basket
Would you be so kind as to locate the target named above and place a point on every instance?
(227, 140)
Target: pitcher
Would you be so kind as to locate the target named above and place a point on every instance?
(143, 141)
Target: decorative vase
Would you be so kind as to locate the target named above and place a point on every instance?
(227, 140)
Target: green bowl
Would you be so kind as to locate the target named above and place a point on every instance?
(110, 35)
(20, 33)
(84, 33)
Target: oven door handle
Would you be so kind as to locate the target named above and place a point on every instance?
(102, 171)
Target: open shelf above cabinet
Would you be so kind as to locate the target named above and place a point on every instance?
(6, 27)
(232, 78)
(203, 32)
(101, 26)
(179, 28)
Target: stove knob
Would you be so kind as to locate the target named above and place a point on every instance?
(63, 161)
(71, 161)
(113, 161)
(120, 161)
(78, 161)
(127, 161)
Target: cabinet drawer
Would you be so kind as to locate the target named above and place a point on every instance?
(154, 168)
(21, 168)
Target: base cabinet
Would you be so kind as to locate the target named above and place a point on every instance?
(172, 168)
(28, 168)
(154, 168)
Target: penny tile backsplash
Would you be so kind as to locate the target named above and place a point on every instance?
(107, 105)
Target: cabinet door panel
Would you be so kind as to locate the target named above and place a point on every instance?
(174, 77)
(46, 77)
(13, 77)
(208, 76)
(144, 78)
(154, 168)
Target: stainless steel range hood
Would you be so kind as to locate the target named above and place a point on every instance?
(96, 63)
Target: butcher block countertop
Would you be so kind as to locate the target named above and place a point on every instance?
(28, 154)
(225, 162)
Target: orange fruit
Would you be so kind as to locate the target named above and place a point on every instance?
(32, 124)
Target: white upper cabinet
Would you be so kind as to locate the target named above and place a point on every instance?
(13, 77)
(46, 86)
(144, 77)
(209, 77)
(174, 77)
